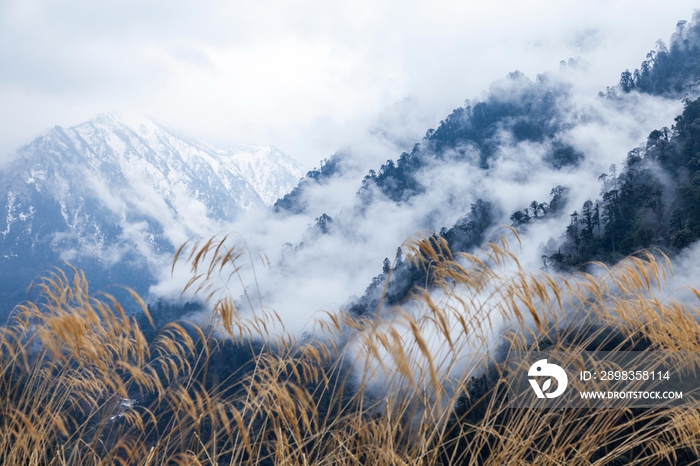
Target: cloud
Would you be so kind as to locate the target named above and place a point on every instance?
(296, 76)
(324, 271)
(192, 55)
(367, 78)
(586, 40)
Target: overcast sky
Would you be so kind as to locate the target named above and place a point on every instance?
(308, 76)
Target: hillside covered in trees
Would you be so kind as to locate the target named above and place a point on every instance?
(651, 201)
(414, 371)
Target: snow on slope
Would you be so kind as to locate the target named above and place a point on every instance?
(113, 192)
(143, 169)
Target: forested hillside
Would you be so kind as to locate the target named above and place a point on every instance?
(651, 202)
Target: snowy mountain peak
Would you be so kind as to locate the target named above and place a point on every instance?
(110, 138)
(127, 191)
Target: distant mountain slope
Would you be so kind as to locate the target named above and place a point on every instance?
(113, 197)
(517, 109)
(673, 70)
(652, 202)
(293, 201)
(541, 111)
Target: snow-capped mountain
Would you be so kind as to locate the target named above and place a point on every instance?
(113, 196)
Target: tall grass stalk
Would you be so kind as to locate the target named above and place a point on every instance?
(416, 384)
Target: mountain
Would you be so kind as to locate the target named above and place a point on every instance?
(116, 198)
(652, 200)
(522, 130)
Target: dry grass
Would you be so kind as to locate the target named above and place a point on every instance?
(415, 385)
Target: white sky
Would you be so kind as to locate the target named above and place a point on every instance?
(308, 77)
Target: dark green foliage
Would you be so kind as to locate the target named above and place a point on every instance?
(386, 266)
(468, 233)
(558, 199)
(396, 181)
(528, 110)
(323, 223)
(520, 217)
(323, 226)
(294, 202)
(470, 230)
(637, 208)
(540, 210)
(519, 110)
(563, 155)
(668, 71)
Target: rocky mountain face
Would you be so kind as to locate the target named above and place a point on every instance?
(117, 198)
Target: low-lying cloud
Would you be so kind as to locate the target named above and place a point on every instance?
(310, 272)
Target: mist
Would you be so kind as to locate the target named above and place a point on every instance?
(311, 271)
(366, 82)
(308, 79)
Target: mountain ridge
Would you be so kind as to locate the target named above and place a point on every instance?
(108, 191)
(502, 120)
